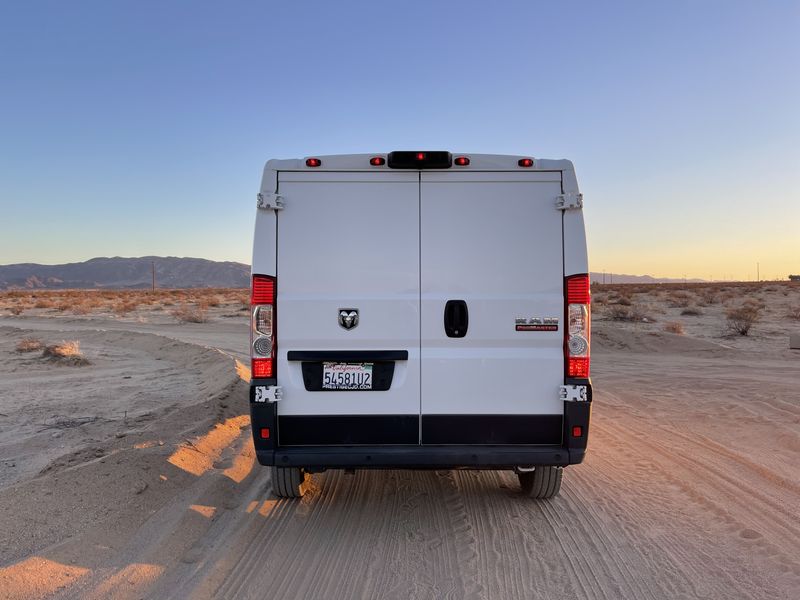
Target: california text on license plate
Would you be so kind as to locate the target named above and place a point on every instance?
(346, 376)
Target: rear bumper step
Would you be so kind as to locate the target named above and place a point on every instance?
(420, 457)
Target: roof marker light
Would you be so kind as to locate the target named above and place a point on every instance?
(377, 161)
(420, 156)
(525, 162)
(313, 162)
(461, 161)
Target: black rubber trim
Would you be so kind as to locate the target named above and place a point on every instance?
(492, 429)
(417, 457)
(348, 430)
(346, 355)
(263, 414)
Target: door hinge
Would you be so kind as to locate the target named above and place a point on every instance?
(570, 200)
(267, 393)
(573, 393)
(270, 201)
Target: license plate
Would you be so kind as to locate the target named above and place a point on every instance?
(346, 376)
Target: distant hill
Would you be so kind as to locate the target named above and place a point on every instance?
(619, 278)
(131, 273)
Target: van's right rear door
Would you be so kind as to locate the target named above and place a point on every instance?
(491, 246)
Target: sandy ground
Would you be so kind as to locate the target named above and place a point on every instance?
(134, 477)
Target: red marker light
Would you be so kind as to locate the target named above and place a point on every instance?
(265, 433)
(577, 431)
(420, 156)
(377, 161)
(462, 161)
(313, 162)
(525, 162)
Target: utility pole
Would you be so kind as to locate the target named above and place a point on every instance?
(154, 276)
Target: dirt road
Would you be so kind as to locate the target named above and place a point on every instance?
(690, 490)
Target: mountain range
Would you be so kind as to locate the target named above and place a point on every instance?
(127, 273)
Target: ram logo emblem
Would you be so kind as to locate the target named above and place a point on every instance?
(348, 318)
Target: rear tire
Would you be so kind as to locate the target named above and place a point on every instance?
(287, 482)
(542, 482)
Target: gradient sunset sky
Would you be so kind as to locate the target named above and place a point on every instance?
(138, 128)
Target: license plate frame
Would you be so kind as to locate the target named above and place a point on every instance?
(347, 376)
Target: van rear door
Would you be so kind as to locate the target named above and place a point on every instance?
(348, 241)
(491, 307)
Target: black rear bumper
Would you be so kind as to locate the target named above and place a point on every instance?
(420, 457)
(448, 442)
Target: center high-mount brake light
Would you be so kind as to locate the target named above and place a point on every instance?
(577, 334)
(525, 162)
(416, 159)
(377, 161)
(461, 161)
(313, 162)
(262, 327)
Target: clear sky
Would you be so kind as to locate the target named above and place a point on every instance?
(135, 128)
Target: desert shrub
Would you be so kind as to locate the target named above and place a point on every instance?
(708, 296)
(794, 312)
(691, 311)
(43, 303)
(16, 309)
(624, 301)
(213, 301)
(679, 299)
(66, 352)
(635, 312)
(29, 345)
(190, 314)
(741, 319)
(126, 306)
(673, 327)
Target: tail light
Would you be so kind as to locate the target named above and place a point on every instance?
(262, 330)
(577, 335)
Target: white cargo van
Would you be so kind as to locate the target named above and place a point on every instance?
(420, 310)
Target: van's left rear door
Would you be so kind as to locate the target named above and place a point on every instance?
(348, 241)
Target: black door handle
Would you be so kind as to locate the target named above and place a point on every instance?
(456, 318)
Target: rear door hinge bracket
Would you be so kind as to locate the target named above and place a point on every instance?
(569, 201)
(573, 393)
(267, 393)
(270, 201)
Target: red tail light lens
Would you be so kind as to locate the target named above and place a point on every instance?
(263, 290)
(577, 330)
(461, 161)
(525, 162)
(578, 367)
(313, 162)
(578, 290)
(262, 327)
(261, 367)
